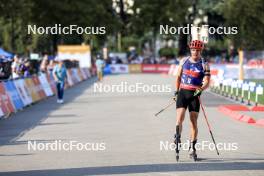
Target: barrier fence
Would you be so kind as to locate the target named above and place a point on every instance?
(248, 92)
(18, 94)
(223, 80)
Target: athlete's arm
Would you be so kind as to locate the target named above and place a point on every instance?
(178, 78)
(206, 79)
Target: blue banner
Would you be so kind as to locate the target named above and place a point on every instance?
(13, 94)
(107, 70)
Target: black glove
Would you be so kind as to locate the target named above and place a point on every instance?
(175, 95)
(198, 92)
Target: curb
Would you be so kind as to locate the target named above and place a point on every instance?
(257, 108)
(247, 119)
(260, 122)
(231, 111)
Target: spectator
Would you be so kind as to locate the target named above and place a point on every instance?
(99, 67)
(60, 76)
(44, 63)
(15, 67)
(25, 69)
(50, 67)
(2, 73)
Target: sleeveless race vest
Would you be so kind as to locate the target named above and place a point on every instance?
(192, 74)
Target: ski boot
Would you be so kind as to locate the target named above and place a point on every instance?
(177, 141)
(192, 151)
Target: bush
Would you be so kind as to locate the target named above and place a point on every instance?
(168, 52)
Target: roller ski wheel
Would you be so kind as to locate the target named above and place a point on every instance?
(177, 142)
(177, 157)
(193, 156)
(192, 151)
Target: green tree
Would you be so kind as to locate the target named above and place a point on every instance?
(150, 14)
(248, 16)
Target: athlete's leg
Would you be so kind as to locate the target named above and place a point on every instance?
(194, 128)
(194, 108)
(181, 106)
(179, 118)
(177, 137)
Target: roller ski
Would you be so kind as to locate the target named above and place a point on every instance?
(192, 151)
(177, 141)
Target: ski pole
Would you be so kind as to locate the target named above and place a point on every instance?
(209, 127)
(165, 108)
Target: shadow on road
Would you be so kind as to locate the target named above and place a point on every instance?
(18, 124)
(145, 168)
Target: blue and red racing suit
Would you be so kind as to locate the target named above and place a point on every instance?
(193, 73)
(191, 79)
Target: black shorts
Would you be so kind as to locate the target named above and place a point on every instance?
(186, 99)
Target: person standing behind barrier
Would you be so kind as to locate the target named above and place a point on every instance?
(44, 63)
(15, 68)
(50, 68)
(99, 67)
(25, 69)
(60, 76)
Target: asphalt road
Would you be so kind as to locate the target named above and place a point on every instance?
(123, 135)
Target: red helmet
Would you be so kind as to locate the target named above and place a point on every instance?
(196, 44)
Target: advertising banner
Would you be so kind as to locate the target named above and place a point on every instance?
(135, 68)
(155, 68)
(6, 103)
(52, 84)
(119, 68)
(13, 94)
(39, 87)
(33, 91)
(45, 85)
(23, 92)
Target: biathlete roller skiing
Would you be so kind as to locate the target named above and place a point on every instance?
(192, 79)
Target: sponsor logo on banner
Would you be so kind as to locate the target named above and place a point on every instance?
(32, 89)
(232, 70)
(83, 73)
(13, 94)
(152, 68)
(214, 72)
(38, 87)
(23, 92)
(69, 78)
(45, 85)
(52, 84)
(163, 68)
(6, 103)
(80, 74)
(149, 68)
(119, 68)
(75, 74)
(135, 68)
